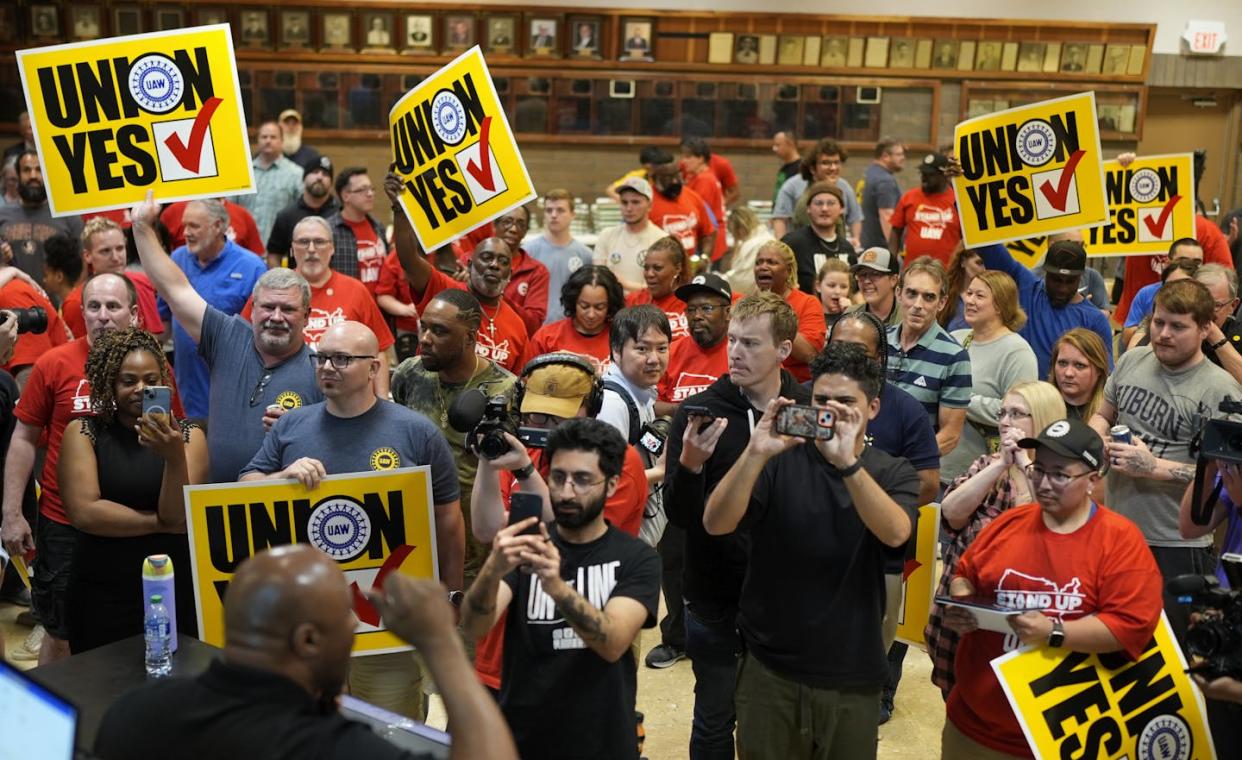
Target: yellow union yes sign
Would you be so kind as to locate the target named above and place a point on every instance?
(1031, 170)
(919, 579)
(1105, 706)
(454, 151)
(372, 524)
(117, 117)
(1152, 202)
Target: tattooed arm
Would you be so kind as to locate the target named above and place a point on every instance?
(608, 632)
(488, 598)
(1137, 461)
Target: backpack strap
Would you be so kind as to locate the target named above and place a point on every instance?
(635, 421)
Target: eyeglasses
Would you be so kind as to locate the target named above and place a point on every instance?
(366, 189)
(257, 394)
(305, 243)
(1035, 473)
(706, 309)
(1013, 414)
(1222, 304)
(511, 222)
(580, 481)
(340, 361)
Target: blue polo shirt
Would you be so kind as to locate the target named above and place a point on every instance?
(225, 282)
(1045, 323)
(1142, 304)
(935, 371)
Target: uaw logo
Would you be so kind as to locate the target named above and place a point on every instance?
(288, 400)
(156, 83)
(385, 458)
(1166, 737)
(339, 527)
(1036, 142)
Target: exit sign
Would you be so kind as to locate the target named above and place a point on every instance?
(1205, 37)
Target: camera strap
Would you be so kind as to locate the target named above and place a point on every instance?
(1201, 514)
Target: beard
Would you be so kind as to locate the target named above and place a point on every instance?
(577, 515)
(32, 193)
(318, 189)
(671, 190)
(292, 143)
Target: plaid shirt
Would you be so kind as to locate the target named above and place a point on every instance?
(942, 642)
(276, 188)
(345, 255)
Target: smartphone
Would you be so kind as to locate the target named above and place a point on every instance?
(805, 422)
(703, 413)
(524, 505)
(157, 401)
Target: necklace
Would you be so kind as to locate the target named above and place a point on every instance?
(491, 324)
(443, 402)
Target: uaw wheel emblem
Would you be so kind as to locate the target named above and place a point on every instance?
(448, 117)
(1145, 185)
(1166, 737)
(156, 83)
(1036, 142)
(340, 528)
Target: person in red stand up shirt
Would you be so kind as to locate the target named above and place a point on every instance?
(927, 215)
(775, 264)
(592, 296)
(502, 335)
(104, 250)
(698, 360)
(665, 269)
(335, 298)
(680, 211)
(357, 235)
(242, 229)
(1097, 582)
(394, 299)
(696, 159)
(527, 290)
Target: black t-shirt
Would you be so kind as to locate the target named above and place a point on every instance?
(807, 246)
(233, 713)
(561, 699)
(813, 598)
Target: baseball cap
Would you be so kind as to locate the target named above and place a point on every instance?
(705, 283)
(321, 164)
(638, 185)
(1065, 257)
(1070, 438)
(556, 389)
(879, 259)
(290, 113)
(934, 163)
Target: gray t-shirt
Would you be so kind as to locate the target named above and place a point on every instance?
(789, 201)
(994, 367)
(880, 190)
(1166, 409)
(561, 261)
(239, 394)
(25, 230)
(385, 437)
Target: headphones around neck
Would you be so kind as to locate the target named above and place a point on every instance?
(594, 399)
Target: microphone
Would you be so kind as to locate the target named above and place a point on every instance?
(467, 410)
(1190, 585)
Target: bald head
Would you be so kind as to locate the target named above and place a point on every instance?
(277, 590)
(349, 338)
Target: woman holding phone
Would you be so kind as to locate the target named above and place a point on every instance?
(121, 474)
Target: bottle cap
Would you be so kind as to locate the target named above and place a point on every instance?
(157, 598)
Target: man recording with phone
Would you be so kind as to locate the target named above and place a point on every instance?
(822, 516)
(574, 598)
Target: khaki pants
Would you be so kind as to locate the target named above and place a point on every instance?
(779, 718)
(391, 681)
(955, 745)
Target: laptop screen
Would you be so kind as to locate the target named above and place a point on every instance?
(34, 722)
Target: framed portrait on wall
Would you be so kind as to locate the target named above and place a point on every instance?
(543, 36)
(856, 53)
(1052, 57)
(945, 55)
(420, 33)
(877, 53)
(8, 23)
(210, 15)
(922, 54)
(832, 52)
(988, 55)
(1031, 56)
(254, 29)
(1095, 58)
(637, 39)
(169, 18)
(458, 32)
(85, 22)
(584, 41)
(790, 51)
(44, 21)
(338, 31)
(966, 55)
(1116, 60)
(1073, 58)
(747, 50)
(294, 30)
(901, 53)
(501, 38)
(377, 35)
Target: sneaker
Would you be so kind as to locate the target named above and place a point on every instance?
(886, 709)
(29, 649)
(664, 656)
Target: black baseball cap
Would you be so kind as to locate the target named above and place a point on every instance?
(321, 164)
(706, 283)
(1070, 438)
(1066, 257)
(934, 163)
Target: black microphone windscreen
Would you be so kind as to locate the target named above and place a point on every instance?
(467, 410)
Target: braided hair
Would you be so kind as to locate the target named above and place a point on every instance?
(103, 364)
(875, 323)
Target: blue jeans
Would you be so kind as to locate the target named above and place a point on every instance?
(713, 646)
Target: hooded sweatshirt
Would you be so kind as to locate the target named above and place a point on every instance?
(714, 565)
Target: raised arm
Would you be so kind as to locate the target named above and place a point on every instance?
(487, 507)
(413, 260)
(184, 301)
(730, 498)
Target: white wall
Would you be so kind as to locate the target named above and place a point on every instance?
(1169, 15)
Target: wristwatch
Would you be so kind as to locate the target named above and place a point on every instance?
(523, 473)
(1057, 636)
(455, 597)
(1217, 345)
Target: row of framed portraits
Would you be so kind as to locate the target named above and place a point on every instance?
(913, 53)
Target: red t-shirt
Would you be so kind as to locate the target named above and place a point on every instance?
(242, 229)
(502, 335)
(561, 336)
(1103, 568)
(340, 299)
(811, 325)
(691, 369)
(148, 312)
(673, 306)
(392, 282)
(371, 253)
(17, 294)
(118, 215)
(723, 171)
(685, 218)
(707, 186)
(1144, 270)
(624, 510)
(527, 291)
(930, 222)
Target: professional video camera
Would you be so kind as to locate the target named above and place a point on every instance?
(1214, 643)
(29, 320)
(485, 421)
(1220, 439)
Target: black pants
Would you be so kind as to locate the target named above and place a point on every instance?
(672, 549)
(713, 646)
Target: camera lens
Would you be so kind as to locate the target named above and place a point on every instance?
(29, 320)
(492, 445)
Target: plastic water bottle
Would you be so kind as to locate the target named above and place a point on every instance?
(157, 578)
(155, 630)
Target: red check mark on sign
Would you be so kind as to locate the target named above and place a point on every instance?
(189, 155)
(1156, 226)
(482, 172)
(362, 606)
(1058, 196)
